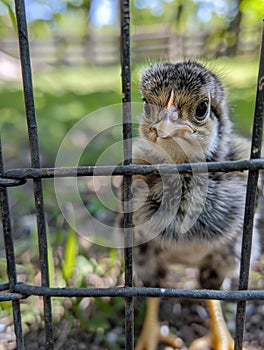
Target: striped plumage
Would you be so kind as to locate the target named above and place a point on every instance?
(193, 219)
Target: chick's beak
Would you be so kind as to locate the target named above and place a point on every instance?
(171, 126)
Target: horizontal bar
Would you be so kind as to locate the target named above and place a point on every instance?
(11, 296)
(33, 173)
(235, 295)
(4, 286)
(11, 182)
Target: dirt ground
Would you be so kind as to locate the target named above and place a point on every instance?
(188, 319)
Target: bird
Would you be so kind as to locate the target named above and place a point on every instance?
(195, 218)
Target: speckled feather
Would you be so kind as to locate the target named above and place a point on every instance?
(193, 219)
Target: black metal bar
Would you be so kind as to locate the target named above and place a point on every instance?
(257, 134)
(36, 173)
(11, 182)
(35, 162)
(15, 297)
(10, 257)
(127, 181)
(127, 292)
(4, 286)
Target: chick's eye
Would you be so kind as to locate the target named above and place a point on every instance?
(201, 110)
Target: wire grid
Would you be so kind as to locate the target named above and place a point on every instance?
(14, 292)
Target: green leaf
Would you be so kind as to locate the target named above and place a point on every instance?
(104, 306)
(71, 251)
(11, 13)
(99, 321)
(50, 261)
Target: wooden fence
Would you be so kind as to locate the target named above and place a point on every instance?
(104, 49)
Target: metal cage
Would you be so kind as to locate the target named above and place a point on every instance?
(15, 292)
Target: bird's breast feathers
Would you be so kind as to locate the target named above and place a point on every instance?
(185, 208)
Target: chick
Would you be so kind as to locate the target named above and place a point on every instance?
(195, 219)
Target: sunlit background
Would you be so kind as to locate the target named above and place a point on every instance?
(75, 54)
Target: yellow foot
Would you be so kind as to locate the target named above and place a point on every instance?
(219, 337)
(149, 340)
(204, 343)
(151, 333)
(207, 343)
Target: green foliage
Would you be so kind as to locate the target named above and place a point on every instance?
(9, 5)
(62, 97)
(182, 16)
(66, 95)
(240, 76)
(186, 15)
(253, 8)
(71, 251)
(51, 265)
(3, 270)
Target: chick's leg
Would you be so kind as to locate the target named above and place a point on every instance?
(219, 337)
(150, 335)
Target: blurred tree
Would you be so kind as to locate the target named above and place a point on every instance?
(247, 17)
(228, 23)
(177, 13)
(81, 5)
(252, 12)
(233, 30)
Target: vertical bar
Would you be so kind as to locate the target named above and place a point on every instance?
(10, 257)
(127, 183)
(257, 133)
(35, 162)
